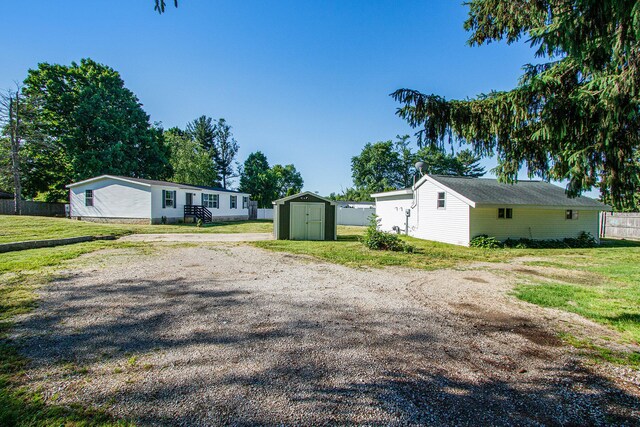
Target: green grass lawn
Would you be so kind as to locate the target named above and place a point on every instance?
(428, 255)
(23, 228)
(609, 295)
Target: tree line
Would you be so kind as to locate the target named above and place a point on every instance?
(390, 165)
(67, 123)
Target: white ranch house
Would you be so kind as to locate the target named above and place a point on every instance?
(455, 209)
(110, 198)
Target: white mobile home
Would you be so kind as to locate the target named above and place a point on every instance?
(109, 198)
(455, 209)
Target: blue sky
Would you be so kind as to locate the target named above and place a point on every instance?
(305, 82)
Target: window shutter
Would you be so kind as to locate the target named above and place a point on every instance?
(164, 198)
(175, 199)
(202, 199)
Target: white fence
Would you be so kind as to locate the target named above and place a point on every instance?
(354, 216)
(620, 225)
(265, 214)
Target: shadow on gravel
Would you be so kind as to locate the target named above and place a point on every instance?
(233, 361)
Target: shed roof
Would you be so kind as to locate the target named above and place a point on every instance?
(486, 191)
(155, 182)
(295, 196)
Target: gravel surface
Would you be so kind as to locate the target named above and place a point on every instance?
(198, 237)
(236, 335)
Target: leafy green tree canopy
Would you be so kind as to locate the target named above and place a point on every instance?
(288, 180)
(574, 117)
(377, 167)
(266, 184)
(190, 162)
(256, 178)
(88, 124)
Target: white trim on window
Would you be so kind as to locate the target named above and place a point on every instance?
(233, 202)
(88, 197)
(442, 200)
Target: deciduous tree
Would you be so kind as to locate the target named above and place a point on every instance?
(91, 125)
(257, 179)
(288, 180)
(190, 162)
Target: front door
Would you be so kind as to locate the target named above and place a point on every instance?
(307, 221)
(189, 200)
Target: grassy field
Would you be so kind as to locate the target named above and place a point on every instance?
(609, 294)
(428, 255)
(23, 228)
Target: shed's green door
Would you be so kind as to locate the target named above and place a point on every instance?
(307, 221)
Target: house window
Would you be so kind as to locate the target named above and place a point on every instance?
(571, 214)
(210, 201)
(505, 213)
(441, 200)
(88, 198)
(234, 202)
(168, 199)
(245, 202)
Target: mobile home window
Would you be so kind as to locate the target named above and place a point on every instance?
(505, 213)
(210, 200)
(245, 202)
(88, 198)
(571, 214)
(234, 202)
(168, 199)
(441, 200)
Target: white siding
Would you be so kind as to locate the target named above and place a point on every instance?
(175, 213)
(390, 210)
(448, 225)
(532, 223)
(111, 199)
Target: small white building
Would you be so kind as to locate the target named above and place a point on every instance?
(453, 209)
(110, 198)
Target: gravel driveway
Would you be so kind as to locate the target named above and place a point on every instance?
(237, 335)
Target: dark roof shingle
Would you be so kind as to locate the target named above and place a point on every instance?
(485, 191)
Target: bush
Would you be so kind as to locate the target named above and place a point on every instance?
(199, 223)
(584, 240)
(383, 241)
(486, 242)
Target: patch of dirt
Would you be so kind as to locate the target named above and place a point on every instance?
(488, 321)
(242, 336)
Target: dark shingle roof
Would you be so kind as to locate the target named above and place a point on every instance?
(484, 191)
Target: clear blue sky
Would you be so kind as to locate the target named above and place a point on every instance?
(305, 82)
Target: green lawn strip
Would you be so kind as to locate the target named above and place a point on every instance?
(428, 255)
(21, 273)
(25, 228)
(612, 298)
(610, 303)
(602, 354)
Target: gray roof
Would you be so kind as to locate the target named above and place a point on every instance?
(164, 183)
(484, 191)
